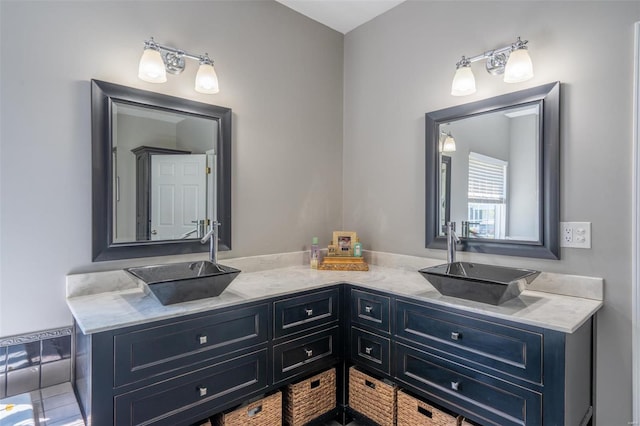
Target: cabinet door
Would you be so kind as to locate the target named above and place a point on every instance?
(157, 350)
(305, 354)
(489, 345)
(482, 397)
(304, 312)
(371, 310)
(193, 396)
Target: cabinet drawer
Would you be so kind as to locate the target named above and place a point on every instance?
(303, 354)
(194, 395)
(491, 400)
(304, 312)
(370, 309)
(158, 350)
(499, 347)
(370, 349)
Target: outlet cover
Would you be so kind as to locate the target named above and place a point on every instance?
(575, 234)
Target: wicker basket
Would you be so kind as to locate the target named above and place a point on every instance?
(412, 411)
(263, 412)
(372, 398)
(310, 398)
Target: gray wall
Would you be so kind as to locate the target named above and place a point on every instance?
(280, 72)
(400, 66)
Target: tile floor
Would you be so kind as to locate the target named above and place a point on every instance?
(51, 406)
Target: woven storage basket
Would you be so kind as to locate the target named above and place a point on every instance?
(263, 412)
(310, 398)
(412, 411)
(372, 398)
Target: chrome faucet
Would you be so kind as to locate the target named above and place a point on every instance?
(212, 237)
(452, 239)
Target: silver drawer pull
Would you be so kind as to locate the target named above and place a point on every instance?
(368, 350)
(455, 385)
(309, 353)
(202, 391)
(368, 309)
(455, 335)
(309, 312)
(202, 339)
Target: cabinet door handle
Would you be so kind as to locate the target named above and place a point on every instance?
(202, 391)
(202, 339)
(309, 312)
(309, 352)
(368, 309)
(368, 350)
(455, 385)
(455, 335)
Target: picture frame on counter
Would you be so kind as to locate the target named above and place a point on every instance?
(343, 242)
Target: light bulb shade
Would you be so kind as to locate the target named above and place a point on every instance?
(449, 144)
(206, 79)
(151, 67)
(464, 83)
(519, 67)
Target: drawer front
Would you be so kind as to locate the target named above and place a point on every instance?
(194, 395)
(370, 309)
(304, 312)
(501, 348)
(158, 350)
(370, 349)
(488, 399)
(304, 354)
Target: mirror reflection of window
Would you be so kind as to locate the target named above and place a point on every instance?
(487, 197)
(511, 136)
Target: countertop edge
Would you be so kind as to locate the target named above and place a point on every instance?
(231, 298)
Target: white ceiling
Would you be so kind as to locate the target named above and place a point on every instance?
(341, 15)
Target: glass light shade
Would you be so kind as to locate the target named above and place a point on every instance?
(207, 80)
(464, 83)
(519, 67)
(151, 67)
(449, 144)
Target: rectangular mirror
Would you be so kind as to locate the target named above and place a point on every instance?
(496, 174)
(161, 173)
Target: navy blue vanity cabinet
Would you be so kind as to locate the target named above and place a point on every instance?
(490, 370)
(307, 330)
(370, 329)
(174, 371)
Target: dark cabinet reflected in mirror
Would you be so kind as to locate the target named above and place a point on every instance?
(161, 173)
(493, 169)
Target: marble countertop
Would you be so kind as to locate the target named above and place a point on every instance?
(109, 300)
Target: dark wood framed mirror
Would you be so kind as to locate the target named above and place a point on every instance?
(503, 186)
(161, 172)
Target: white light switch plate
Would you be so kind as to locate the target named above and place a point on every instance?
(575, 234)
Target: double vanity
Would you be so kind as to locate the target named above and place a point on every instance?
(146, 354)
(525, 361)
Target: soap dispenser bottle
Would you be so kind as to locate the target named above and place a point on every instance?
(315, 253)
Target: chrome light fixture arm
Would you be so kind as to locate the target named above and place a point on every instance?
(498, 61)
(158, 59)
(174, 58)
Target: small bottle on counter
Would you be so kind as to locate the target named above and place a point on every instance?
(315, 253)
(357, 249)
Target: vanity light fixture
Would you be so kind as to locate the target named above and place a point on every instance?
(448, 142)
(158, 59)
(513, 61)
